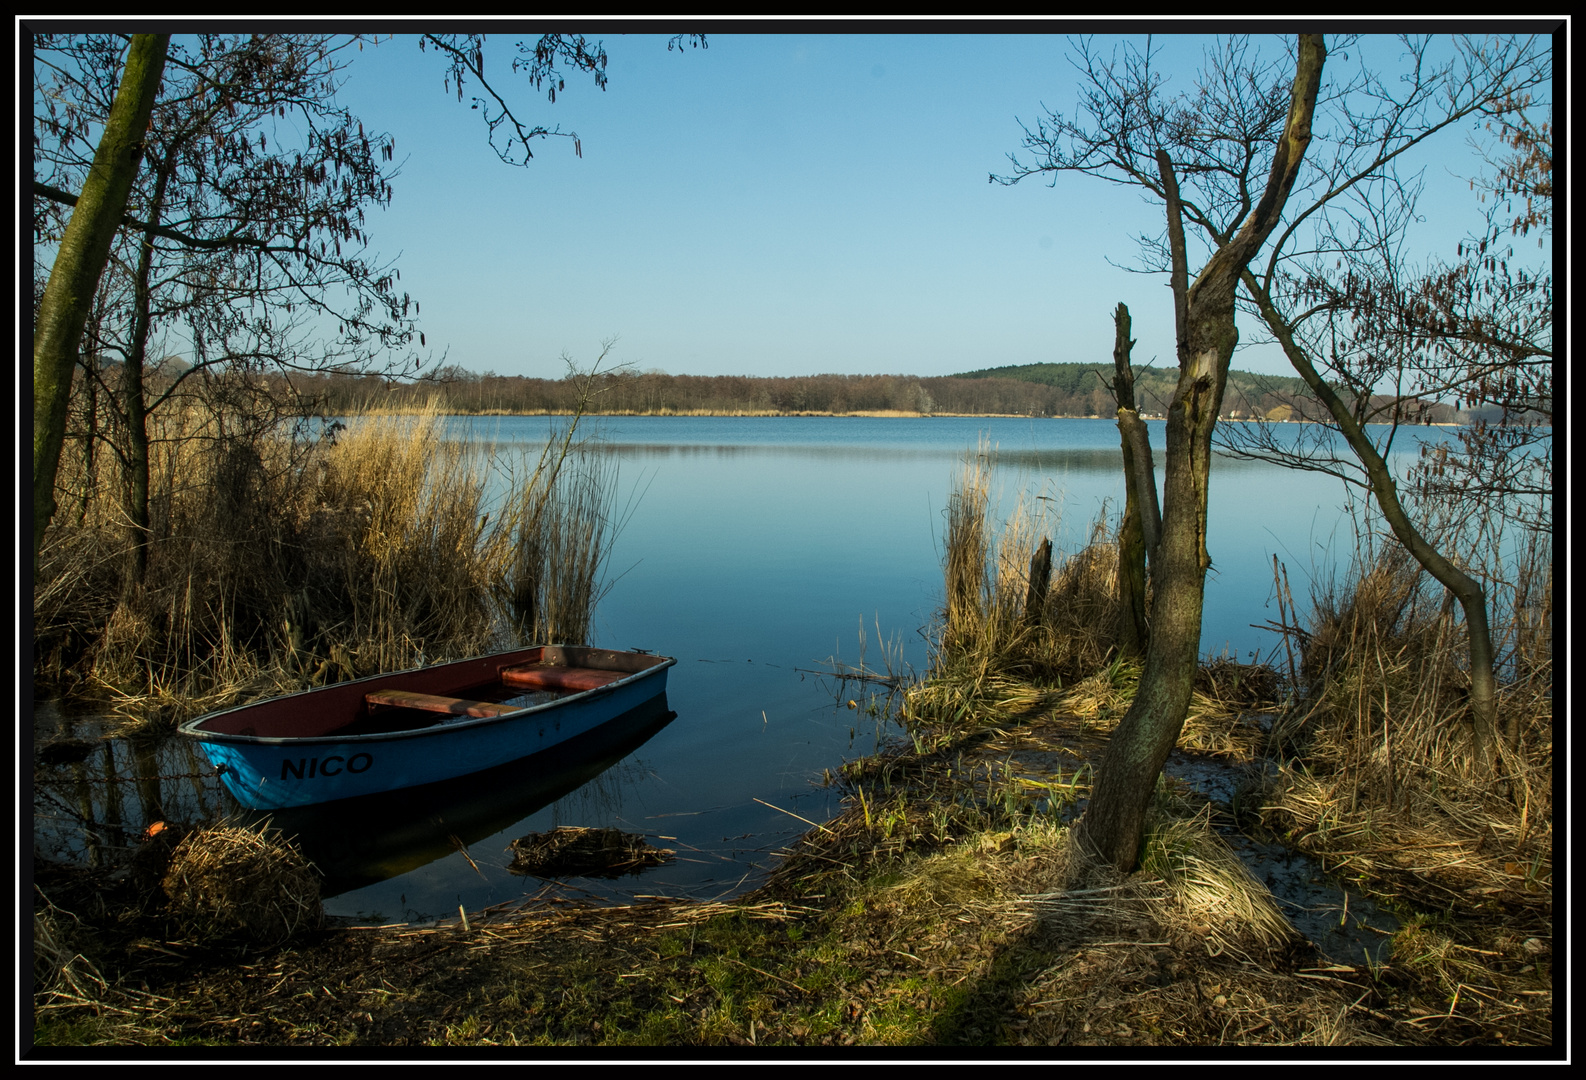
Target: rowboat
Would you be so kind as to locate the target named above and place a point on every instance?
(358, 842)
(421, 726)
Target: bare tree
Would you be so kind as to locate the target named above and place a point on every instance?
(510, 137)
(221, 217)
(1131, 134)
(1350, 210)
(1379, 341)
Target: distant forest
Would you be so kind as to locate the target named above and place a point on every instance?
(1027, 390)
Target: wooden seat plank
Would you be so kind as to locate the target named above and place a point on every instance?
(405, 699)
(556, 677)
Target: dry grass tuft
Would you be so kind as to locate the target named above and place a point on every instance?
(1380, 781)
(1213, 893)
(1390, 789)
(562, 535)
(998, 662)
(999, 659)
(230, 881)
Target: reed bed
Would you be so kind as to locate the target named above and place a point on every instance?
(1004, 655)
(987, 624)
(1373, 770)
(1382, 715)
(281, 559)
(997, 657)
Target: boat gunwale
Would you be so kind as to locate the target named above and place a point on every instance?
(454, 724)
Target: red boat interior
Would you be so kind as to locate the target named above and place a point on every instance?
(404, 701)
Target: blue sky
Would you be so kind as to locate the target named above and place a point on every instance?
(782, 205)
(777, 205)
(771, 205)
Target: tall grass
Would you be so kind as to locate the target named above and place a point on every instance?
(280, 561)
(561, 537)
(1385, 673)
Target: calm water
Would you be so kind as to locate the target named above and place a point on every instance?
(754, 551)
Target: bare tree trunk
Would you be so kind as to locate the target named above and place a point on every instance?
(1040, 581)
(1114, 822)
(83, 251)
(135, 496)
(1142, 519)
(91, 374)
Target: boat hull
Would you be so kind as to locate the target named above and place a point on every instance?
(272, 773)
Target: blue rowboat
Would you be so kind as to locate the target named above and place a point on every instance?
(389, 732)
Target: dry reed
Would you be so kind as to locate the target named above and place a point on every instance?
(997, 662)
(62, 975)
(1382, 784)
(279, 560)
(1211, 887)
(997, 659)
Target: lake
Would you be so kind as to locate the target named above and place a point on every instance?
(756, 551)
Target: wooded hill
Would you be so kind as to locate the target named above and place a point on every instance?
(1028, 390)
(1079, 384)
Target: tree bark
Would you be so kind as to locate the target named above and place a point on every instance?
(1114, 822)
(80, 260)
(1040, 580)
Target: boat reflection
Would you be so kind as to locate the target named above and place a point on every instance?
(372, 838)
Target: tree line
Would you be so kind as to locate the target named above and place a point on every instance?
(1045, 390)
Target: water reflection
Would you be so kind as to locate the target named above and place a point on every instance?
(752, 550)
(94, 794)
(1080, 460)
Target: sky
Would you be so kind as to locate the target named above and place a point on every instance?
(781, 204)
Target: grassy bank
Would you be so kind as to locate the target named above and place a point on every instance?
(941, 908)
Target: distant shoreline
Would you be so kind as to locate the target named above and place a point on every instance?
(885, 414)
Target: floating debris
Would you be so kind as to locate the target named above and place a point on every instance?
(585, 852)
